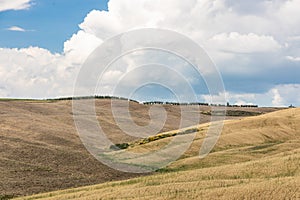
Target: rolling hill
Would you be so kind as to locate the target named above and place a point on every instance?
(255, 158)
(40, 150)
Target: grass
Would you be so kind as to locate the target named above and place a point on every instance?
(252, 160)
(277, 176)
(250, 180)
(6, 197)
(231, 113)
(24, 100)
(153, 138)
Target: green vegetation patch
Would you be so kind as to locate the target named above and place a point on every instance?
(154, 138)
(231, 113)
(6, 197)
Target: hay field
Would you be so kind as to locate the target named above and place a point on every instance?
(255, 158)
(40, 150)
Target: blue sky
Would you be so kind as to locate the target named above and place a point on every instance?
(254, 44)
(49, 23)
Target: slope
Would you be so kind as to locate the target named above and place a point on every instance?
(255, 158)
(40, 149)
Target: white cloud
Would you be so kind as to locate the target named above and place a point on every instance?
(278, 96)
(14, 4)
(34, 73)
(242, 38)
(289, 15)
(217, 25)
(249, 43)
(286, 94)
(231, 97)
(16, 28)
(294, 38)
(80, 46)
(291, 58)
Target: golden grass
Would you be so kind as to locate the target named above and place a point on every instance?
(255, 158)
(275, 178)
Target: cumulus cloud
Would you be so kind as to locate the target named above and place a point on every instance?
(218, 25)
(34, 73)
(286, 94)
(277, 99)
(278, 96)
(80, 46)
(248, 40)
(14, 5)
(249, 43)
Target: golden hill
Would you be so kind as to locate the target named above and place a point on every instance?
(40, 150)
(255, 158)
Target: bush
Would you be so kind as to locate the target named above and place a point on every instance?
(6, 197)
(121, 146)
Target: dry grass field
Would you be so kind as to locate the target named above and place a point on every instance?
(255, 158)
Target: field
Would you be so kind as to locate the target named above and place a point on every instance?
(40, 152)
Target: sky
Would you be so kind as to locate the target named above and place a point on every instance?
(254, 44)
(43, 23)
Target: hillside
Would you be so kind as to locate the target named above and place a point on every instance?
(40, 149)
(255, 158)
